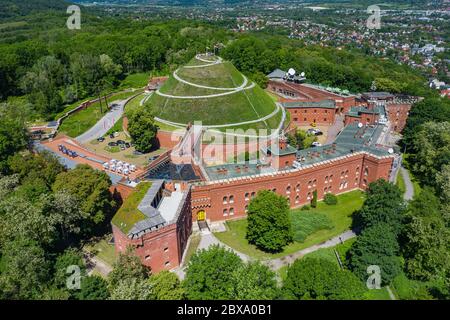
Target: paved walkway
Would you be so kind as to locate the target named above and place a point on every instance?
(104, 124)
(252, 85)
(208, 239)
(276, 264)
(335, 128)
(409, 193)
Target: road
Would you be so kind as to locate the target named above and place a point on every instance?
(409, 193)
(104, 124)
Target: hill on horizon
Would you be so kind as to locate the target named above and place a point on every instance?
(215, 92)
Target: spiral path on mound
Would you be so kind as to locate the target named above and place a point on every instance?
(219, 60)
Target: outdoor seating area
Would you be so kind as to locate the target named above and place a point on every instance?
(119, 167)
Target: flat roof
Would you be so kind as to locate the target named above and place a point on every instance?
(231, 170)
(351, 139)
(328, 103)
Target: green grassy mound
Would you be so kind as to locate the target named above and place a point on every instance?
(246, 105)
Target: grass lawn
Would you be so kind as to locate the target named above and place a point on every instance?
(135, 80)
(128, 214)
(193, 245)
(102, 249)
(401, 183)
(406, 289)
(340, 216)
(328, 253)
(242, 106)
(81, 121)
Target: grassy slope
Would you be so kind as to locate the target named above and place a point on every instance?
(83, 120)
(340, 215)
(232, 108)
(128, 214)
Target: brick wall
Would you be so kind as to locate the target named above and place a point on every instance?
(161, 249)
(398, 114)
(228, 200)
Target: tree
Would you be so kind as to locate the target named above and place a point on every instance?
(26, 270)
(132, 289)
(314, 199)
(269, 226)
(127, 266)
(301, 139)
(330, 199)
(377, 245)
(91, 188)
(13, 134)
(43, 166)
(93, 288)
(42, 84)
(443, 183)
(430, 151)
(312, 278)
(209, 275)
(254, 281)
(70, 257)
(166, 286)
(426, 249)
(430, 109)
(142, 129)
(260, 79)
(383, 204)
(49, 219)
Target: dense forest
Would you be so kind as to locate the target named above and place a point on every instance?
(51, 66)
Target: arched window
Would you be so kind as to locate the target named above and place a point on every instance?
(231, 211)
(225, 212)
(247, 195)
(288, 189)
(297, 187)
(253, 195)
(231, 199)
(366, 171)
(225, 200)
(297, 199)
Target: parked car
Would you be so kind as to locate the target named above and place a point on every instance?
(120, 142)
(111, 135)
(127, 145)
(122, 147)
(316, 144)
(318, 133)
(112, 144)
(101, 139)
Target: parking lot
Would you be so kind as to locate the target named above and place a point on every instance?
(123, 154)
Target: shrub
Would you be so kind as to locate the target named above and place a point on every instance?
(304, 224)
(305, 207)
(330, 199)
(314, 199)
